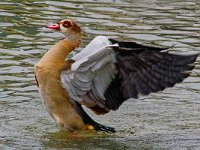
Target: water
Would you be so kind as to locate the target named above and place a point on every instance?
(165, 120)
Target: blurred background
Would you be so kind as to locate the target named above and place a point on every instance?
(165, 120)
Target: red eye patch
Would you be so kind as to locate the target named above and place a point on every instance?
(67, 23)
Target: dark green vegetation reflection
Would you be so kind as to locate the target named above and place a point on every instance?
(165, 120)
(81, 140)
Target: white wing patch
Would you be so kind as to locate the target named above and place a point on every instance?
(92, 72)
(97, 43)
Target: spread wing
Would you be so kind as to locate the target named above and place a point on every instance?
(94, 69)
(105, 75)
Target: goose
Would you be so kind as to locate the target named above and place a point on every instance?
(102, 76)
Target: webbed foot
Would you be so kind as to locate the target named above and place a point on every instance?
(98, 127)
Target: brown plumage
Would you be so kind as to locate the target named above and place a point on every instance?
(54, 96)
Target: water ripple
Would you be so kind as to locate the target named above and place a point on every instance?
(164, 116)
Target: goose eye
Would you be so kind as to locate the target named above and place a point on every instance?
(67, 24)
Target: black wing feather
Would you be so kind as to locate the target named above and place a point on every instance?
(138, 48)
(143, 70)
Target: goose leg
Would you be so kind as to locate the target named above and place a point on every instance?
(89, 121)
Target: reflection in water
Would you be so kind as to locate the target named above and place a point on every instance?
(168, 120)
(60, 140)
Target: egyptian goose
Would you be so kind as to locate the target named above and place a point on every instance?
(102, 76)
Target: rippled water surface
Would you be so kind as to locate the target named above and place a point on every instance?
(165, 120)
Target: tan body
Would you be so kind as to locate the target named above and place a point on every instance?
(54, 96)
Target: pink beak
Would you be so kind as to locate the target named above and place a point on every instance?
(54, 26)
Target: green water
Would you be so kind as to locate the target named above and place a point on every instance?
(165, 120)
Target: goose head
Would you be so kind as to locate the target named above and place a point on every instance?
(69, 28)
